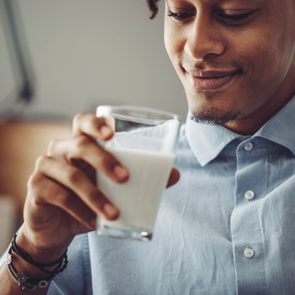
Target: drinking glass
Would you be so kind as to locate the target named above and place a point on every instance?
(144, 143)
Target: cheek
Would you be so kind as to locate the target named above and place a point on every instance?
(261, 64)
(173, 44)
(264, 56)
(170, 48)
(270, 74)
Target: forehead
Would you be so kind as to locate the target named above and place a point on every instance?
(279, 12)
(279, 7)
(216, 2)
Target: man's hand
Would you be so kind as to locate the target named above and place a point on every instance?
(63, 199)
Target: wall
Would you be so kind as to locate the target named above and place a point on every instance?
(91, 52)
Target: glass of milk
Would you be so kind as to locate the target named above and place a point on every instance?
(144, 142)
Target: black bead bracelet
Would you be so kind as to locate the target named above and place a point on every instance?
(60, 264)
(26, 281)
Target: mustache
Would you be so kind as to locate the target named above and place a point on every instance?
(203, 66)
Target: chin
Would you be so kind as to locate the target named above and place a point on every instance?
(211, 108)
(209, 114)
(214, 117)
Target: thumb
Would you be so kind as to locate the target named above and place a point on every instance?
(174, 177)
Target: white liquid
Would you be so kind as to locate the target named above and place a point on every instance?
(138, 199)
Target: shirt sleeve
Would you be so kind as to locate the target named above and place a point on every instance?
(76, 278)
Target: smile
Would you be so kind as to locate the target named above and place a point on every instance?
(211, 80)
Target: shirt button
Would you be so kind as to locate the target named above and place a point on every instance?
(249, 252)
(249, 195)
(248, 146)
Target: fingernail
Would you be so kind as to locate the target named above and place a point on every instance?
(121, 172)
(106, 131)
(110, 211)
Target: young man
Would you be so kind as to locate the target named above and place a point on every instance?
(227, 227)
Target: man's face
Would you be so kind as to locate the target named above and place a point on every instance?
(235, 58)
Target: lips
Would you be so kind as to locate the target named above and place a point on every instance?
(211, 80)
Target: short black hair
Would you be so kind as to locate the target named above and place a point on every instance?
(153, 6)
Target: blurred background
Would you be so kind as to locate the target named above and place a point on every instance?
(61, 57)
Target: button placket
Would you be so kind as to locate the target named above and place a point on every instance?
(247, 237)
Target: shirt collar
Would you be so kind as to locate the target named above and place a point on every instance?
(207, 141)
(280, 128)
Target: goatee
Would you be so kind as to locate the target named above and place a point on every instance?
(214, 116)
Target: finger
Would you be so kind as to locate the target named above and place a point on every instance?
(45, 191)
(86, 149)
(75, 180)
(174, 177)
(87, 169)
(93, 126)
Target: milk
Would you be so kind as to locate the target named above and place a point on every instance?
(138, 199)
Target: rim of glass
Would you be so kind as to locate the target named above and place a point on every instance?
(138, 114)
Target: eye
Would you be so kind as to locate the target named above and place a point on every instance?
(234, 19)
(181, 16)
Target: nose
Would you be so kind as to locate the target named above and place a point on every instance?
(204, 39)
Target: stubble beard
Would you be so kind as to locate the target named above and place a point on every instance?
(203, 111)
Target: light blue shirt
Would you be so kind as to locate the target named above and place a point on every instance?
(227, 227)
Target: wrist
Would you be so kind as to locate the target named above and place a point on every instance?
(38, 250)
(28, 273)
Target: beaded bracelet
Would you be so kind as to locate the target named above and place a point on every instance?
(25, 281)
(60, 263)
